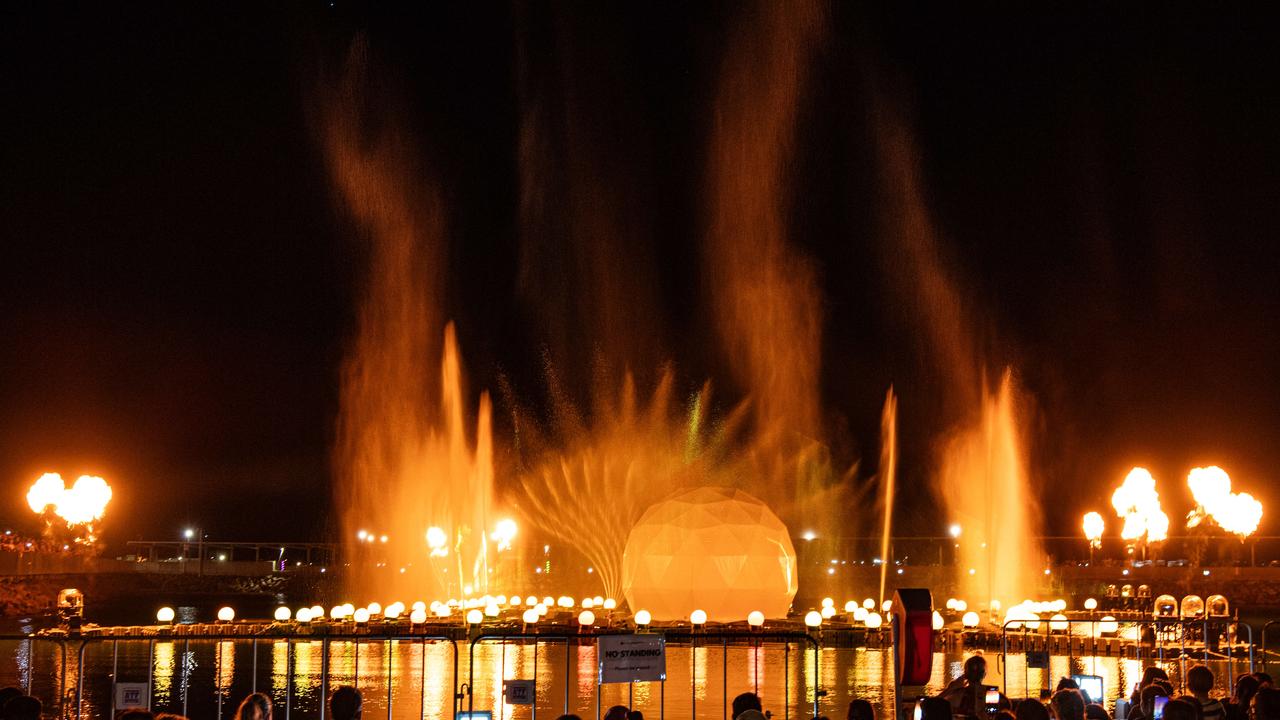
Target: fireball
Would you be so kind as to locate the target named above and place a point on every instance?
(79, 506)
(1137, 501)
(1093, 527)
(1237, 513)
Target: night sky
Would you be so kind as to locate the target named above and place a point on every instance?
(178, 283)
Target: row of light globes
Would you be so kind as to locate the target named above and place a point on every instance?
(1025, 614)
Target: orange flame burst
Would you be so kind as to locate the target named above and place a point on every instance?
(1237, 513)
(1093, 528)
(79, 506)
(1137, 501)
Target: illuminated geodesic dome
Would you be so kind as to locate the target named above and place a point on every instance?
(710, 548)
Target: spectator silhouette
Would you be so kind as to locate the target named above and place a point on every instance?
(1067, 704)
(860, 709)
(1265, 704)
(346, 704)
(1031, 709)
(254, 707)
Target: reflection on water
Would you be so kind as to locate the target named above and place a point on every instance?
(226, 665)
(163, 672)
(418, 678)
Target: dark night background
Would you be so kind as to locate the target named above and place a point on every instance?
(177, 282)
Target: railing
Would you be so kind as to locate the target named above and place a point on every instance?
(82, 643)
(1266, 646)
(69, 685)
(692, 638)
(1218, 625)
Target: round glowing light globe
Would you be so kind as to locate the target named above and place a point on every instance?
(1091, 604)
(869, 604)
(951, 603)
(851, 606)
(515, 601)
(859, 614)
(598, 600)
(336, 612)
(813, 618)
(418, 616)
(643, 617)
(828, 602)
(393, 612)
(165, 615)
(938, 622)
(970, 619)
(610, 604)
(375, 608)
(886, 606)
(586, 618)
(588, 603)
(549, 601)
(565, 601)
(531, 616)
(874, 620)
(475, 616)
(755, 618)
(531, 600)
(1108, 625)
(698, 617)
(283, 613)
(961, 606)
(348, 609)
(717, 549)
(361, 616)
(226, 614)
(491, 611)
(303, 615)
(443, 610)
(317, 612)
(500, 599)
(1058, 623)
(828, 612)
(542, 609)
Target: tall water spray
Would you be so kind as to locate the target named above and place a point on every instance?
(888, 480)
(986, 488)
(403, 458)
(764, 292)
(981, 474)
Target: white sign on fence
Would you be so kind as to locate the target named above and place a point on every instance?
(632, 658)
(519, 692)
(130, 695)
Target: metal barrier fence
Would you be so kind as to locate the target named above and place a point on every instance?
(1266, 646)
(754, 639)
(69, 685)
(1210, 628)
(82, 643)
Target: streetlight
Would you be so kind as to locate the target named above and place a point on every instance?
(955, 530)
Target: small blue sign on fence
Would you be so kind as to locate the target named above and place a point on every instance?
(130, 695)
